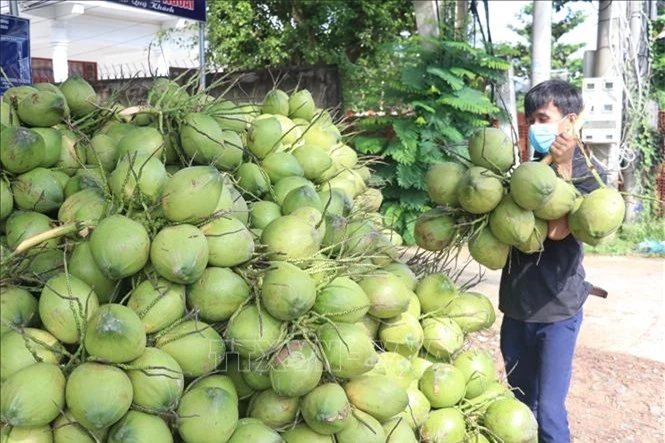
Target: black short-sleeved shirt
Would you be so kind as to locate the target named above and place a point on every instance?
(550, 285)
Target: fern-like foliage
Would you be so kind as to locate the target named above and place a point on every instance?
(443, 88)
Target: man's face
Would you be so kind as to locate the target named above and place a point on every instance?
(551, 114)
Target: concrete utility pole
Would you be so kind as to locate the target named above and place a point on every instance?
(13, 8)
(541, 45)
(427, 17)
(609, 20)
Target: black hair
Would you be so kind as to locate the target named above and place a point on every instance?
(565, 96)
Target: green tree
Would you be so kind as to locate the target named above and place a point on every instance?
(562, 53)
(250, 34)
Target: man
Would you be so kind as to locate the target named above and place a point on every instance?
(541, 294)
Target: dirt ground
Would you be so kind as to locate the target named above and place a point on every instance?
(617, 392)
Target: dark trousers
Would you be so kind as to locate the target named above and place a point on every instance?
(538, 359)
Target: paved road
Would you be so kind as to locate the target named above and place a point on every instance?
(631, 320)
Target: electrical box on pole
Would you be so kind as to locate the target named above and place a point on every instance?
(603, 97)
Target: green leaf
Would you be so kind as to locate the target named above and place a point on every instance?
(411, 176)
(453, 81)
(369, 144)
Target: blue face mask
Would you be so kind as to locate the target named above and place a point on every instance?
(542, 135)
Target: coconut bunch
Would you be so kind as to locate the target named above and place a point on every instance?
(495, 204)
(192, 269)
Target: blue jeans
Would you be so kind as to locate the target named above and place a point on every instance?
(538, 359)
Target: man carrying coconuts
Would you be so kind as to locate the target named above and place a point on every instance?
(542, 294)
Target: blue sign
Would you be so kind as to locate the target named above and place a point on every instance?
(191, 9)
(14, 52)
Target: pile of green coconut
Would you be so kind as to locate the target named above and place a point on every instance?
(190, 269)
(494, 203)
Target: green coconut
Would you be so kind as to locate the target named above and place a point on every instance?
(511, 421)
(87, 205)
(217, 381)
(443, 337)
(251, 333)
(252, 179)
(228, 116)
(435, 291)
(395, 367)
(296, 369)
(363, 427)
(301, 105)
(120, 246)
(387, 294)
(479, 190)
(435, 229)
(52, 145)
(415, 414)
(137, 426)
(599, 215)
(239, 207)
(445, 425)
(404, 273)
(487, 250)
(397, 430)
(22, 225)
(33, 396)
(472, 311)
(37, 434)
(230, 243)
(263, 212)
(252, 429)
(441, 182)
(478, 368)
(207, 414)
(157, 381)
(287, 292)
(561, 202)
(203, 141)
(303, 196)
(532, 185)
(139, 179)
(256, 373)
(443, 384)
(273, 410)
(290, 238)
(16, 93)
(98, 405)
(286, 185)
(195, 345)
(81, 264)
(192, 193)
(535, 241)
(180, 253)
(85, 178)
(116, 130)
(377, 396)
(302, 433)
(65, 305)
(38, 190)
(402, 334)
(326, 409)
(67, 430)
(348, 349)
(115, 334)
(22, 149)
(72, 155)
(233, 371)
(264, 136)
(80, 95)
(166, 93)
(281, 164)
(18, 350)
(275, 101)
(158, 303)
(491, 148)
(42, 109)
(510, 223)
(342, 300)
(217, 294)
(6, 199)
(146, 141)
(18, 308)
(313, 159)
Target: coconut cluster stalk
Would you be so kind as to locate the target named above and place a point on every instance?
(224, 269)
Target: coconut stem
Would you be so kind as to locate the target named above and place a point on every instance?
(49, 235)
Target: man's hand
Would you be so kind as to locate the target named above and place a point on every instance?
(562, 152)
